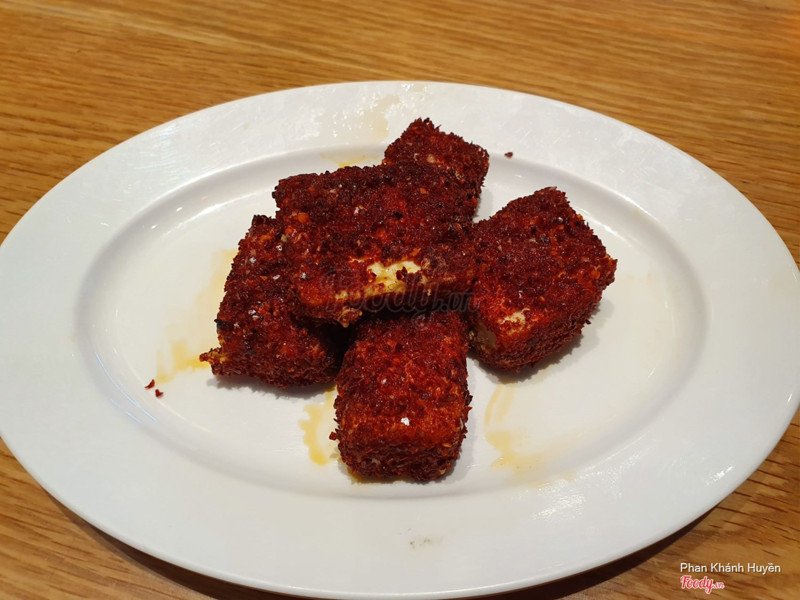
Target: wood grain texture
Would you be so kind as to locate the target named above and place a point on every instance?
(719, 80)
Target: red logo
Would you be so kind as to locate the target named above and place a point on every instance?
(690, 583)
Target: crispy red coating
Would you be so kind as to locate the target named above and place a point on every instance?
(423, 142)
(402, 403)
(258, 335)
(541, 274)
(343, 228)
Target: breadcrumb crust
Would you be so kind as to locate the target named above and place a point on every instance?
(423, 142)
(345, 228)
(402, 403)
(258, 332)
(541, 274)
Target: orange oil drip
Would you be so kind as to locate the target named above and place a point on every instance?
(317, 426)
(181, 358)
(194, 332)
(507, 439)
(345, 160)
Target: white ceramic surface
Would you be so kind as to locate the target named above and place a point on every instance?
(684, 381)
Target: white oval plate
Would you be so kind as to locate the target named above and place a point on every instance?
(683, 383)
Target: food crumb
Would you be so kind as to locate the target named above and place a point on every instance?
(150, 385)
(508, 154)
(159, 393)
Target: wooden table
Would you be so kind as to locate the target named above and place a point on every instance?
(720, 80)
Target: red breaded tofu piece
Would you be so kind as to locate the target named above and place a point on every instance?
(258, 335)
(402, 403)
(541, 274)
(423, 142)
(364, 239)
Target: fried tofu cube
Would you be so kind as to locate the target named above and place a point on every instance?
(259, 335)
(369, 238)
(402, 403)
(541, 275)
(423, 142)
